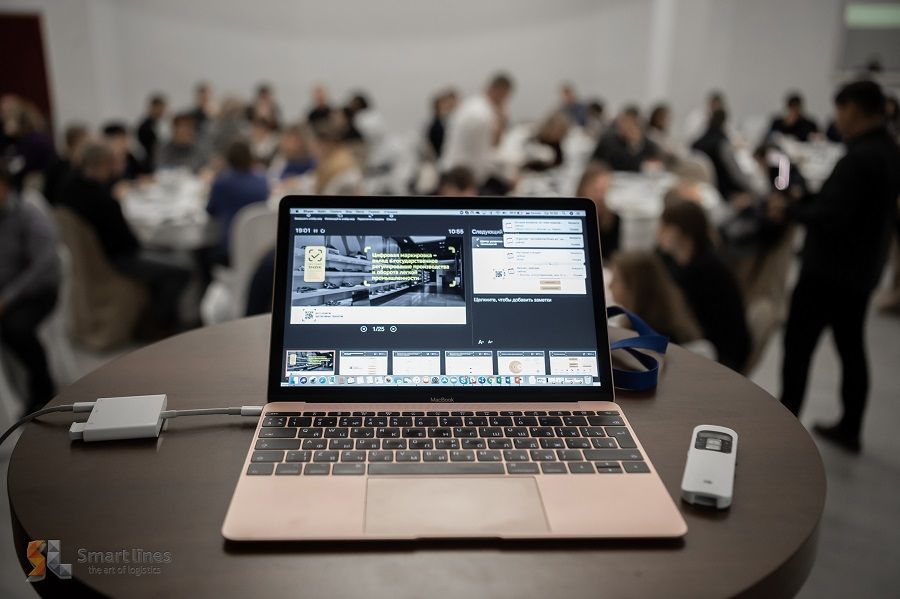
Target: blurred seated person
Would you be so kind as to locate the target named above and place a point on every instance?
(624, 147)
(230, 124)
(88, 195)
(183, 151)
(594, 185)
(696, 121)
(264, 106)
(458, 181)
(263, 141)
(29, 148)
(337, 170)
(794, 122)
(116, 136)
(371, 127)
(641, 285)
(148, 130)
(293, 158)
(442, 106)
(474, 132)
(236, 187)
(29, 282)
(659, 132)
(730, 179)
(571, 106)
(711, 290)
(544, 151)
(76, 137)
(321, 108)
(595, 118)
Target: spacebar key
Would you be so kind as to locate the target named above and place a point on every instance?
(436, 468)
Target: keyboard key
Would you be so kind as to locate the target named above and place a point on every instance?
(340, 444)
(510, 413)
(317, 469)
(570, 455)
(463, 413)
(363, 414)
(325, 456)
(361, 432)
(387, 414)
(277, 433)
(437, 413)
(324, 421)
(525, 421)
(267, 456)
(299, 421)
(583, 413)
(554, 468)
(434, 456)
(549, 421)
(451, 421)
(605, 421)
(607, 413)
(437, 468)
(515, 431)
(348, 469)
(500, 421)
(297, 456)
(622, 435)
(288, 469)
(426, 421)
(414, 432)
(368, 444)
(552, 443)
(515, 455)
(421, 444)
(578, 443)
(333, 432)
(613, 454)
(581, 468)
(560, 413)
(313, 413)
(260, 469)
(381, 456)
(486, 413)
(567, 431)
(541, 431)
(592, 431)
(574, 420)
(609, 467)
(439, 432)
(476, 421)
(526, 443)
(353, 456)
(375, 421)
(488, 455)
(308, 433)
(542, 455)
(465, 431)
(522, 468)
(387, 433)
(350, 421)
(393, 444)
(413, 413)
(490, 431)
(499, 443)
(409, 456)
(315, 444)
(274, 421)
(338, 413)
(446, 443)
(400, 421)
(604, 443)
(283, 413)
(473, 444)
(277, 444)
(636, 467)
(535, 413)
(462, 456)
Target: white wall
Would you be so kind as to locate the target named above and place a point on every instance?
(107, 55)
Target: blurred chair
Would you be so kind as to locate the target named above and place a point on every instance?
(54, 331)
(252, 235)
(105, 305)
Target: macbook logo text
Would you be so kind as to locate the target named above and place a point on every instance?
(442, 399)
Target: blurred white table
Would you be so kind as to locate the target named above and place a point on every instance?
(170, 212)
(814, 159)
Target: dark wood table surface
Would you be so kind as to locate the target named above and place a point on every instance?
(171, 494)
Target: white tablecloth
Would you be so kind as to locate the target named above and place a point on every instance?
(170, 212)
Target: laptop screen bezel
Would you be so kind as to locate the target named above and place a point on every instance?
(438, 394)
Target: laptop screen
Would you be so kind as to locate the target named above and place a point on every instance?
(438, 297)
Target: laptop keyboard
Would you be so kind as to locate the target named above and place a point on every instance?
(431, 443)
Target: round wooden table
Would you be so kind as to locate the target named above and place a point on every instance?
(171, 494)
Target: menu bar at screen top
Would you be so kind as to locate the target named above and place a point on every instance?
(442, 297)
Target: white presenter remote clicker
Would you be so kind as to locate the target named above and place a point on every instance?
(709, 472)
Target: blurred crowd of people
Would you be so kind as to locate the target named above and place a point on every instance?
(694, 285)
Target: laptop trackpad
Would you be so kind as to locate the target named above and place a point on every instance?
(454, 506)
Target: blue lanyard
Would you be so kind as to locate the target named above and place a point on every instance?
(647, 339)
